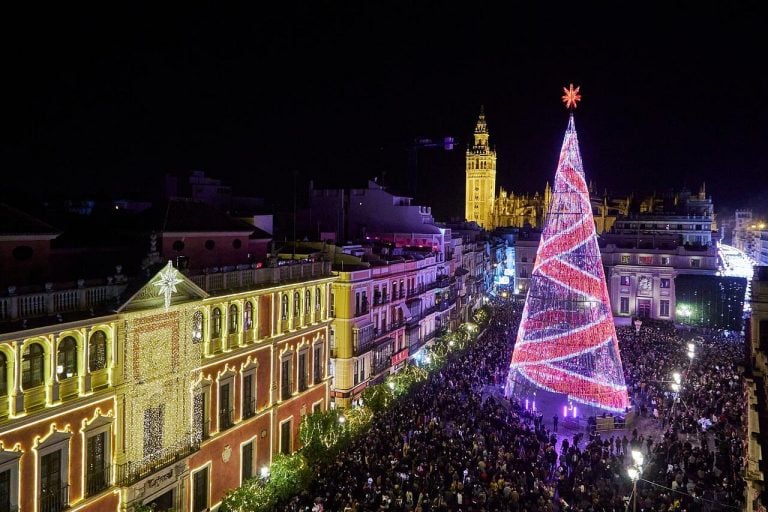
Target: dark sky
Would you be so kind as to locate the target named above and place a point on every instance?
(106, 103)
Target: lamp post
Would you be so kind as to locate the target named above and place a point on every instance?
(634, 472)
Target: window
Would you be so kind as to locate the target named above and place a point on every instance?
(197, 327)
(201, 424)
(762, 334)
(248, 316)
(625, 280)
(247, 461)
(317, 364)
(333, 306)
(249, 397)
(284, 307)
(216, 323)
(67, 358)
(9, 479)
(664, 282)
(307, 302)
(233, 318)
(5, 490)
(54, 495)
(22, 252)
(317, 407)
(664, 308)
(200, 490)
(32, 365)
(303, 371)
(210, 244)
(3, 377)
(96, 464)
(645, 260)
(97, 351)
(624, 306)
(154, 418)
(285, 437)
(226, 419)
(296, 304)
(285, 379)
(178, 246)
(665, 260)
(625, 259)
(695, 263)
(317, 299)
(355, 375)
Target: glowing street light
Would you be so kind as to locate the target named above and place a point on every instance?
(677, 378)
(265, 472)
(391, 385)
(342, 419)
(637, 457)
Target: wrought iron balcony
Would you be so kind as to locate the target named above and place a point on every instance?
(133, 471)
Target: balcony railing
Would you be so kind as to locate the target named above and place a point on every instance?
(286, 391)
(54, 500)
(303, 382)
(97, 480)
(239, 277)
(249, 408)
(380, 366)
(226, 419)
(133, 471)
(205, 429)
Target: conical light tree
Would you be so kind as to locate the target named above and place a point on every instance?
(567, 342)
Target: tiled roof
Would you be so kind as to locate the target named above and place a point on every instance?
(16, 222)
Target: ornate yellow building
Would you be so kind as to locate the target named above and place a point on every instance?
(481, 177)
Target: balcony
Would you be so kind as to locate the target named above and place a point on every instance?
(133, 471)
(379, 366)
(226, 419)
(97, 480)
(54, 499)
(249, 408)
(246, 276)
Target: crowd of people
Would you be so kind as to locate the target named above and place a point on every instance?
(457, 444)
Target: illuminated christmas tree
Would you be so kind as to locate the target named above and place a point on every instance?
(567, 342)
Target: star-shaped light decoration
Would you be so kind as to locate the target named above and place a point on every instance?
(166, 283)
(571, 96)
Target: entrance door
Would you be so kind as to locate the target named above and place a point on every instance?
(644, 308)
(163, 503)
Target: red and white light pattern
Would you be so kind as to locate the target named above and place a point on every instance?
(567, 341)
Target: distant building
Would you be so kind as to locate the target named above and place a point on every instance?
(481, 178)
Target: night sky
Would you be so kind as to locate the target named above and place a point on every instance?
(104, 104)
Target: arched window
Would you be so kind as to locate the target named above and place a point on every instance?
(197, 327)
(67, 358)
(233, 319)
(248, 316)
(307, 302)
(32, 366)
(97, 351)
(216, 323)
(296, 304)
(317, 299)
(3, 374)
(284, 307)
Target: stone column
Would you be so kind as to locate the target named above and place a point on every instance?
(17, 401)
(53, 382)
(85, 375)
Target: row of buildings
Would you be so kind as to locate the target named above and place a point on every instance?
(750, 235)
(650, 246)
(169, 375)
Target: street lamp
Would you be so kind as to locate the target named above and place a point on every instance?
(634, 473)
(265, 472)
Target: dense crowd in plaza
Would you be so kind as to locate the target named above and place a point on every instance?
(452, 445)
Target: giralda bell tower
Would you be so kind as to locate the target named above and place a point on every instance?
(481, 177)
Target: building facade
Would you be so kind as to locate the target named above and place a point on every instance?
(186, 389)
